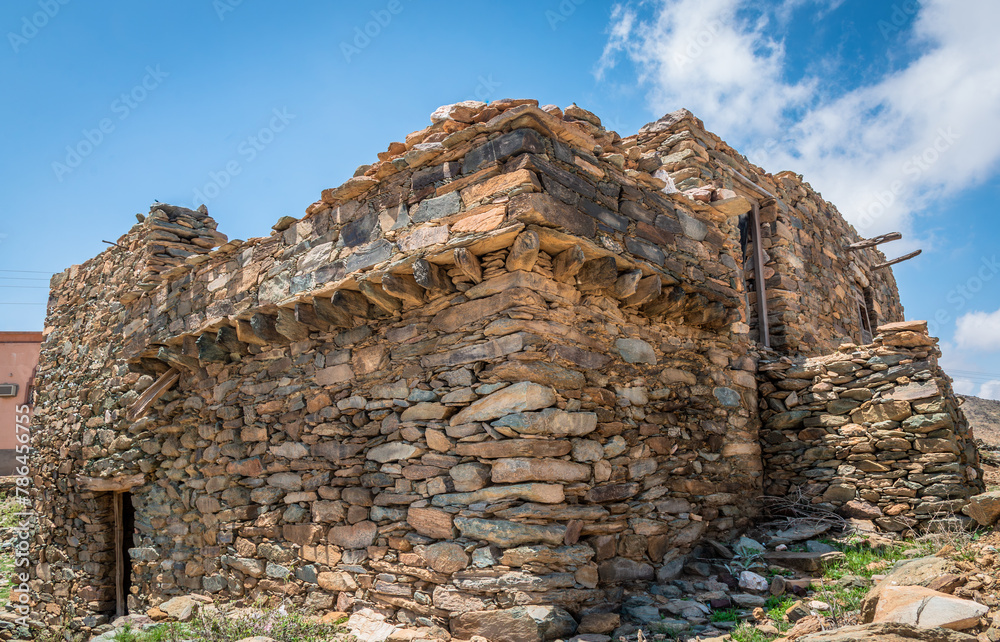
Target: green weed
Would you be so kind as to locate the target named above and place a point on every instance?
(746, 632)
(725, 615)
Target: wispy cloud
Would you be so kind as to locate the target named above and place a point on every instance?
(881, 151)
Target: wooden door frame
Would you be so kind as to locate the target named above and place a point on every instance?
(117, 486)
(121, 608)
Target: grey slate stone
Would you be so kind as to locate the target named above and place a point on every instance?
(435, 208)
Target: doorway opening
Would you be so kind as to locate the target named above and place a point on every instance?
(866, 325)
(124, 529)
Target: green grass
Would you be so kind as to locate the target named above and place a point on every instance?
(725, 615)
(9, 508)
(7, 571)
(293, 627)
(845, 599)
(859, 556)
(160, 633)
(746, 632)
(775, 608)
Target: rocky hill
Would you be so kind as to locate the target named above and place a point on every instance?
(984, 417)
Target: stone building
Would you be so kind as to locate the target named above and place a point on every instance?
(18, 360)
(513, 362)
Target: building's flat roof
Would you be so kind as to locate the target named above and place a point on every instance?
(21, 337)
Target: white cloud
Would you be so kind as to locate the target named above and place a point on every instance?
(964, 386)
(881, 151)
(699, 54)
(990, 390)
(980, 330)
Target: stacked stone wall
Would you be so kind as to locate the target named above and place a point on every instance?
(814, 284)
(83, 388)
(875, 432)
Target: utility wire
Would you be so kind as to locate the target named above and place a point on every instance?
(973, 373)
(28, 271)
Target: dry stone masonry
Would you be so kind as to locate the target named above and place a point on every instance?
(507, 369)
(874, 431)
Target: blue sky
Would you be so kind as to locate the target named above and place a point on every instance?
(890, 108)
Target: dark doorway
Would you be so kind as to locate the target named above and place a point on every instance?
(124, 529)
(866, 324)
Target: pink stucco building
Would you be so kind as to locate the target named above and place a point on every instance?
(18, 360)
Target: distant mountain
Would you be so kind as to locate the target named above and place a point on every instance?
(984, 417)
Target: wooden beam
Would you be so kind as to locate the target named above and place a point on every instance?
(189, 345)
(905, 257)
(110, 484)
(177, 360)
(758, 276)
(149, 396)
(875, 240)
(120, 570)
(468, 263)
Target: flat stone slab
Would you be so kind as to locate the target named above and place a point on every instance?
(926, 608)
(516, 398)
(887, 632)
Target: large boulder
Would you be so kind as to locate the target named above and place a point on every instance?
(918, 572)
(887, 632)
(984, 508)
(180, 608)
(926, 608)
(518, 624)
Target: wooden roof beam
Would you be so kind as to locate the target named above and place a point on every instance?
(872, 242)
(905, 257)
